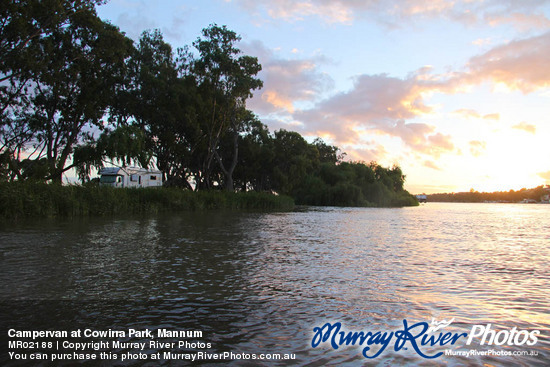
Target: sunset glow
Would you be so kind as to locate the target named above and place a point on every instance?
(455, 92)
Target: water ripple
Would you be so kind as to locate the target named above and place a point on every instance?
(261, 282)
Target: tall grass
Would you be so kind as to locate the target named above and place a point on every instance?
(33, 199)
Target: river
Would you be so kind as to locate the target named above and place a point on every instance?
(261, 282)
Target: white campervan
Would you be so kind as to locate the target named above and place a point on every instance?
(130, 177)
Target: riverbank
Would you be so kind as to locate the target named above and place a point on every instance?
(534, 195)
(33, 199)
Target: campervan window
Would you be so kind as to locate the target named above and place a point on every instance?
(107, 179)
(153, 177)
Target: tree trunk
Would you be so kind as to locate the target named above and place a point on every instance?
(229, 176)
(57, 177)
(228, 172)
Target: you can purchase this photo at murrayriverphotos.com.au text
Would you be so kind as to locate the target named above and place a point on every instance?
(274, 183)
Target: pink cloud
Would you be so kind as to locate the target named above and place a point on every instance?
(377, 153)
(420, 137)
(438, 144)
(296, 10)
(373, 101)
(521, 21)
(521, 64)
(286, 81)
(522, 14)
(380, 104)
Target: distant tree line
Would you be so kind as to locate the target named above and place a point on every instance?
(76, 93)
(512, 196)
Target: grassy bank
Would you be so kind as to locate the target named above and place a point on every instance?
(31, 199)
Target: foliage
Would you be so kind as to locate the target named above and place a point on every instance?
(64, 92)
(354, 184)
(162, 104)
(124, 145)
(25, 29)
(511, 196)
(226, 80)
(37, 199)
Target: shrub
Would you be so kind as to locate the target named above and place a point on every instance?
(32, 199)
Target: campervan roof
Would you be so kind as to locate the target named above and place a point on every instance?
(109, 171)
(127, 170)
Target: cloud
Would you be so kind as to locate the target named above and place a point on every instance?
(133, 24)
(482, 41)
(524, 15)
(526, 127)
(520, 65)
(432, 165)
(477, 148)
(380, 104)
(420, 137)
(544, 175)
(175, 31)
(438, 144)
(139, 16)
(286, 81)
(469, 113)
(492, 116)
(388, 105)
(376, 153)
(521, 21)
(373, 100)
(292, 11)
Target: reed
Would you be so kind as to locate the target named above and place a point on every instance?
(35, 199)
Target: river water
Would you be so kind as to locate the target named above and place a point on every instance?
(261, 282)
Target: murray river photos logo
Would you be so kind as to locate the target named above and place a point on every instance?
(419, 336)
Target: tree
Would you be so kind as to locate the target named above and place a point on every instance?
(255, 158)
(162, 103)
(24, 27)
(68, 89)
(327, 153)
(294, 159)
(124, 145)
(397, 177)
(226, 80)
(227, 155)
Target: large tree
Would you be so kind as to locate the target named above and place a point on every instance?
(294, 160)
(24, 26)
(66, 92)
(226, 80)
(161, 100)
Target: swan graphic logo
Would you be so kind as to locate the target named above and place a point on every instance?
(435, 326)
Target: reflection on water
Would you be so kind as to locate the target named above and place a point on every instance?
(259, 282)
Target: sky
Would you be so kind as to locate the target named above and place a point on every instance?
(457, 93)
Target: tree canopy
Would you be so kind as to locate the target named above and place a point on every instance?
(61, 67)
